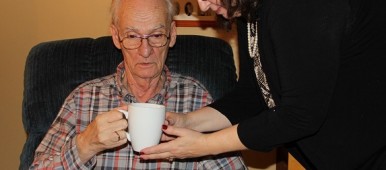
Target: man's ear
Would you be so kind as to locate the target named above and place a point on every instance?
(173, 34)
(115, 36)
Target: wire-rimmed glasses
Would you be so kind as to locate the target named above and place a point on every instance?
(132, 42)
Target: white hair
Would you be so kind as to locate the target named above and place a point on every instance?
(170, 5)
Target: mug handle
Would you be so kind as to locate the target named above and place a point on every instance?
(126, 113)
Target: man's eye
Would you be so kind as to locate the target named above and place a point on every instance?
(156, 35)
(132, 36)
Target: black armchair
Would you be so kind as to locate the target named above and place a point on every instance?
(53, 69)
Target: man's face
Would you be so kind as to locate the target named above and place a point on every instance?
(139, 18)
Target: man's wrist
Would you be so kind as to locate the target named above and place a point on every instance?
(83, 149)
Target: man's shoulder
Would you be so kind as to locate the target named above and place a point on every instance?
(179, 79)
(189, 90)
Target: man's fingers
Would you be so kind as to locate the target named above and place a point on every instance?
(111, 116)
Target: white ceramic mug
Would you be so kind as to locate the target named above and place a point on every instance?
(145, 124)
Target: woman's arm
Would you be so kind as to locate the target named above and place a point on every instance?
(206, 119)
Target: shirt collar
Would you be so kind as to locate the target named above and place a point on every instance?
(127, 97)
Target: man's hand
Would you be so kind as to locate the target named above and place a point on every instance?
(106, 131)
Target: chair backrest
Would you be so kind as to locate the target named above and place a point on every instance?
(53, 69)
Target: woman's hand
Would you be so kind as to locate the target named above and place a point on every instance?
(182, 131)
(190, 144)
(187, 144)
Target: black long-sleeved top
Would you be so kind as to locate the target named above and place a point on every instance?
(325, 64)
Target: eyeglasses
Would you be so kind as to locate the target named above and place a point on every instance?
(132, 42)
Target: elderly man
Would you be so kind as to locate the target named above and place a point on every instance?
(89, 132)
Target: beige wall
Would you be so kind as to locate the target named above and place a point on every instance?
(26, 23)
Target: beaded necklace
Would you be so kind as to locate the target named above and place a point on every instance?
(252, 40)
(254, 54)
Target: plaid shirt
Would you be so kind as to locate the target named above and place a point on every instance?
(180, 94)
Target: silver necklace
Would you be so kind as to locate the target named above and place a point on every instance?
(254, 53)
(252, 40)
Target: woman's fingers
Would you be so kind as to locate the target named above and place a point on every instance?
(176, 131)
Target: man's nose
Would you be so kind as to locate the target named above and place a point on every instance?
(145, 49)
